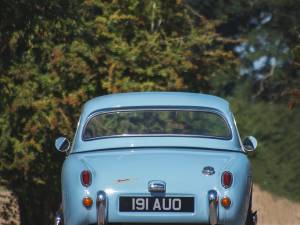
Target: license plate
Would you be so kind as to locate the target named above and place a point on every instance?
(156, 204)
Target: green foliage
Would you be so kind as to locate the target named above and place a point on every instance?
(275, 164)
(270, 33)
(55, 55)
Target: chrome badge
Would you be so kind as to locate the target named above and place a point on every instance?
(208, 170)
(157, 186)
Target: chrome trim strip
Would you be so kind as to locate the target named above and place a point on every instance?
(159, 147)
(101, 208)
(157, 135)
(213, 207)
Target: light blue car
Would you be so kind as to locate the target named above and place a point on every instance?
(156, 157)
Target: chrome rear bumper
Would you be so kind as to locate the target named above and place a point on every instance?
(101, 208)
(213, 207)
(102, 205)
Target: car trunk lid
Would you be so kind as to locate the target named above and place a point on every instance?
(130, 170)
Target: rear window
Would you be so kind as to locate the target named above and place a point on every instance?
(157, 122)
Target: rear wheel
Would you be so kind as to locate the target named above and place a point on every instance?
(251, 216)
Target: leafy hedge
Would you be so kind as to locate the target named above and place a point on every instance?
(276, 163)
(55, 62)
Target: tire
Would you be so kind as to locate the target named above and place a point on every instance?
(251, 216)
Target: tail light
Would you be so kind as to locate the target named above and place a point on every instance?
(226, 202)
(86, 178)
(227, 179)
(87, 202)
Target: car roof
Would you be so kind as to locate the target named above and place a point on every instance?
(136, 99)
(155, 99)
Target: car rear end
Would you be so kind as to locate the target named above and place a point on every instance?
(160, 185)
(156, 158)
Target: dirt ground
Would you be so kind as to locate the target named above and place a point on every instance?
(272, 210)
(9, 210)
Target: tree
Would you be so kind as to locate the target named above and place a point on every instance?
(269, 51)
(55, 60)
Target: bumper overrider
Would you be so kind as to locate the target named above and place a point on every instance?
(213, 207)
(102, 205)
(58, 218)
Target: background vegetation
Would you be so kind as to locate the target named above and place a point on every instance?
(55, 55)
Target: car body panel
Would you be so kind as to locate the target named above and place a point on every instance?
(122, 177)
(123, 166)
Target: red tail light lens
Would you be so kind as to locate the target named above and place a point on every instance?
(86, 178)
(227, 179)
